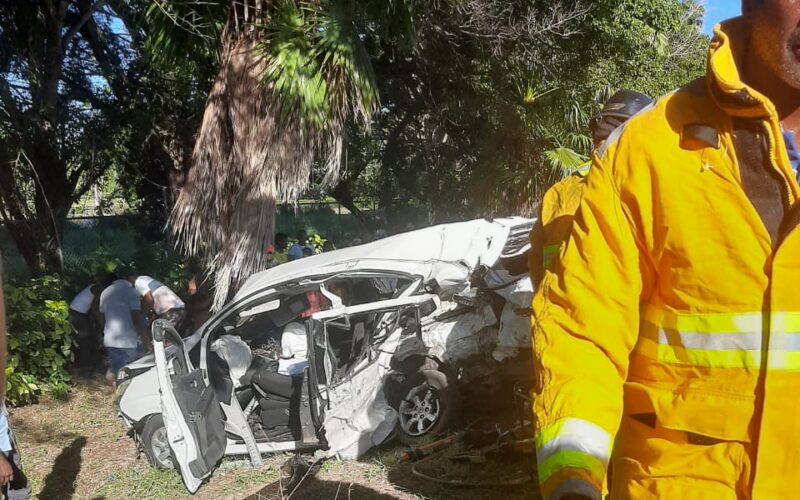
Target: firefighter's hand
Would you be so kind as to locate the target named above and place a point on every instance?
(6, 473)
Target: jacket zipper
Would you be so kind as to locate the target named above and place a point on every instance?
(774, 164)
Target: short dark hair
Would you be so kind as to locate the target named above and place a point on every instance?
(124, 272)
(281, 237)
(302, 231)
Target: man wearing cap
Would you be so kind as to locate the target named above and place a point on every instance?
(561, 201)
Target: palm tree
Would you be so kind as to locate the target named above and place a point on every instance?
(291, 75)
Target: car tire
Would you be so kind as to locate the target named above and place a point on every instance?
(155, 444)
(428, 407)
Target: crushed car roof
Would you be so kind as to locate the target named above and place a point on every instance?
(470, 243)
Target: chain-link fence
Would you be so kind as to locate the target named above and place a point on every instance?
(131, 237)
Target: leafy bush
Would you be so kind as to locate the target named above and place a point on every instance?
(40, 340)
(317, 241)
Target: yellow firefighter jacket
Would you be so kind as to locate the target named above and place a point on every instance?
(554, 223)
(669, 326)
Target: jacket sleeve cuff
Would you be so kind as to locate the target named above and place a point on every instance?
(573, 484)
(572, 458)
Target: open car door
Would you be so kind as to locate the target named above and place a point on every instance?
(352, 348)
(192, 415)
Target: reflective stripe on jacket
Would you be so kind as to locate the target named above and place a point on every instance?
(668, 327)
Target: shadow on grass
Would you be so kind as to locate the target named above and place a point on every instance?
(298, 479)
(312, 487)
(40, 434)
(60, 482)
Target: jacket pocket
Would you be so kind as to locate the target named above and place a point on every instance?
(706, 416)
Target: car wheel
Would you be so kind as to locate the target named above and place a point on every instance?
(428, 407)
(155, 443)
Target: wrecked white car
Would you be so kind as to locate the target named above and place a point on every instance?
(339, 351)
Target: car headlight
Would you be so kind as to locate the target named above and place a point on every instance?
(122, 386)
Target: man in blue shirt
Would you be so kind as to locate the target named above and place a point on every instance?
(298, 250)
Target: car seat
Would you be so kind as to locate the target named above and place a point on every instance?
(278, 397)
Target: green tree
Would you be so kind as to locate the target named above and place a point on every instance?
(292, 74)
(78, 97)
(493, 105)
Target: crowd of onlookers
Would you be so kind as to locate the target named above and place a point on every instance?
(115, 311)
(119, 307)
(281, 252)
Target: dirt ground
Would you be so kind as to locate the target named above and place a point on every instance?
(78, 449)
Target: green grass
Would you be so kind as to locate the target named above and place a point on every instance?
(148, 482)
(151, 483)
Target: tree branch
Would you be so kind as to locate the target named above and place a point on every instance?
(86, 15)
(79, 191)
(109, 63)
(80, 92)
(10, 106)
(128, 18)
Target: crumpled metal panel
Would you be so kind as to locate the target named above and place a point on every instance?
(515, 320)
(359, 416)
(454, 338)
(462, 243)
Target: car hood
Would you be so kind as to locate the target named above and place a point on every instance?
(466, 244)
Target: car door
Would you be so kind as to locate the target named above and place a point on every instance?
(356, 415)
(192, 415)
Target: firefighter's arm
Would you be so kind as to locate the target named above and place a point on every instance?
(586, 318)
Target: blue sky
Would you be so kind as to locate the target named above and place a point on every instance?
(717, 10)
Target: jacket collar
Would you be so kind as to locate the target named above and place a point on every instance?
(725, 56)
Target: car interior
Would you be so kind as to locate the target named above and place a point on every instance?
(274, 401)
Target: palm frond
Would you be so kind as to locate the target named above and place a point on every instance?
(292, 73)
(177, 29)
(565, 159)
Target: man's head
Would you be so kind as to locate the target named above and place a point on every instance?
(621, 106)
(775, 37)
(126, 273)
(302, 237)
(281, 242)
